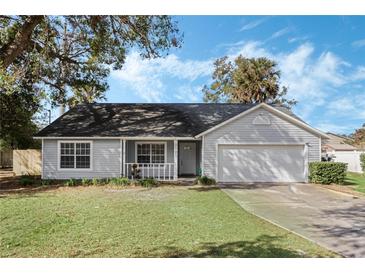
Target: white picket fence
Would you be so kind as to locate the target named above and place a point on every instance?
(352, 158)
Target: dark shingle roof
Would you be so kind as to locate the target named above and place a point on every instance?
(142, 120)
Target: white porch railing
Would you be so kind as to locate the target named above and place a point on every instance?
(161, 172)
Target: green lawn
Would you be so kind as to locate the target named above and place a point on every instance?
(161, 222)
(357, 180)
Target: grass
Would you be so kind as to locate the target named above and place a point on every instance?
(135, 222)
(356, 180)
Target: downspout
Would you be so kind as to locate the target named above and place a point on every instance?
(202, 162)
(42, 177)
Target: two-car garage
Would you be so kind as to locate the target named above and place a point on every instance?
(262, 145)
(262, 163)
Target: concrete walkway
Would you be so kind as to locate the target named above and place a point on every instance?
(333, 220)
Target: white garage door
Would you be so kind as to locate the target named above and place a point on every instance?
(261, 163)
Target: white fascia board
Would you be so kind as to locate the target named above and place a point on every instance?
(271, 109)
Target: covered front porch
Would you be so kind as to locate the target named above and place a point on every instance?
(162, 159)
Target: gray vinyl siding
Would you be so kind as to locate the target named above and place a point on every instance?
(242, 131)
(105, 161)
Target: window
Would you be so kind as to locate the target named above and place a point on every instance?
(75, 155)
(67, 155)
(150, 153)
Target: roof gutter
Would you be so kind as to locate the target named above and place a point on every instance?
(115, 138)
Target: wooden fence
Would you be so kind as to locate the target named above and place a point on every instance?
(6, 158)
(27, 162)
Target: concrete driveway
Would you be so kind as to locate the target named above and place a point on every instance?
(333, 220)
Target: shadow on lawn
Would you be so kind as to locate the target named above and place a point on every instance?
(258, 185)
(27, 191)
(203, 188)
(351, 229)
(13, 186)
(263, 247)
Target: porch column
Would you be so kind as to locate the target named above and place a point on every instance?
(202, 159)
(42, 162)
(123, 161)
(175, 160)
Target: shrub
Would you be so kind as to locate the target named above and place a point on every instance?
(199, 172)
(85, 181)
(362, 162)
(26, 180)
(95, 182)
(71, 182)
(46, 182)
(148, 182)
(120, 181)
(205, 180)
(109, 180)
(327, 173)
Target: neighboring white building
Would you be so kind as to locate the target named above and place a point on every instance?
(336, 143)
(337, 149)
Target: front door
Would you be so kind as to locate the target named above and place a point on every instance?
(187, 158)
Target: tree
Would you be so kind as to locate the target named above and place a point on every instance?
(359, 137)
(16, 117)
(67, 59)
(66, 53)
(246, 80)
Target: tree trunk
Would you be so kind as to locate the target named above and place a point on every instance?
(10, 51)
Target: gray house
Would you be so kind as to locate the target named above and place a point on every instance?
(229, 142)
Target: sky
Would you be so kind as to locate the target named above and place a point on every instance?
(321, 59)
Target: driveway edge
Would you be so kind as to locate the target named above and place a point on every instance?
(278, 225)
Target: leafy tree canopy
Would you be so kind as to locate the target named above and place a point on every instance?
(16, 119)
(73, 55)
(246, 80)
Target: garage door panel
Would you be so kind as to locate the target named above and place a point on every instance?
(261, 163)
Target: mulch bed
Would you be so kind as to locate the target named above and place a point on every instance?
(11, 184)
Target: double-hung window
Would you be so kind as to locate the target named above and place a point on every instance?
(150, 153)
(75, 155)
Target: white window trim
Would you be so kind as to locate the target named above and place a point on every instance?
(73, 169)
(157, 143)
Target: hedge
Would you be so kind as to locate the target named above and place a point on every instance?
(205, 180)
(362, 161)
(327, 173)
